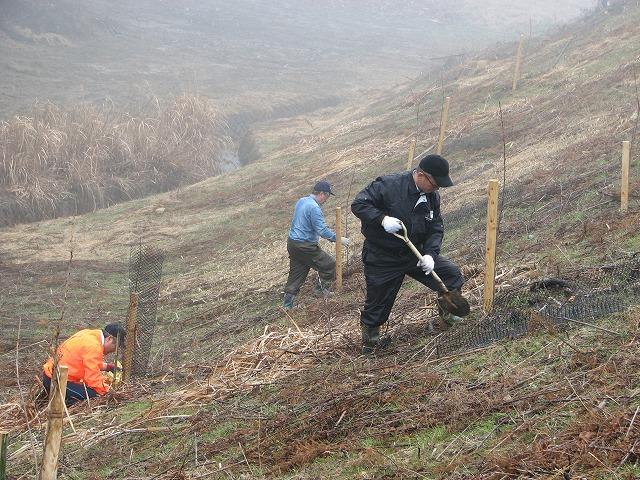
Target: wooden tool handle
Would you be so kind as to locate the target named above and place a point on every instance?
(441, 285)
(443, 288)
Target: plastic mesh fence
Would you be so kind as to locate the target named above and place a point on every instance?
(577, 296)
(145, 273)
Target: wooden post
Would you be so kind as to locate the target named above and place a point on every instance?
(130, 338)
(338, 249)
(4, 436)
(624, 186)
(490, 253)
(53, 441)
(412, 154)
(516, 71)
(443, 124)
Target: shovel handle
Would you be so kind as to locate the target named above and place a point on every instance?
(443, 288)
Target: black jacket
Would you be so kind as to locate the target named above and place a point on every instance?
(397, 196)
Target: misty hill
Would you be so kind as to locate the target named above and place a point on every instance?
(255, 61)
(240, 389)
(71, 51)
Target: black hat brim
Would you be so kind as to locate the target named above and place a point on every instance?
(444, 181)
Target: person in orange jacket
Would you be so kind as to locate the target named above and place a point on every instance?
(83, 353)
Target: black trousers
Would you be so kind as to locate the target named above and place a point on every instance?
(75, 391)
(384, 282)
(303, 256)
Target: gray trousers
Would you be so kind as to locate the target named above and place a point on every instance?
(304, 256)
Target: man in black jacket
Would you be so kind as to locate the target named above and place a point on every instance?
(411, 198)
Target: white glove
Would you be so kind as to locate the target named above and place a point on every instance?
(426, 264)
(344, 241)
(391, 224)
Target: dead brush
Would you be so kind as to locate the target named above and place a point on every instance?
(58, 161)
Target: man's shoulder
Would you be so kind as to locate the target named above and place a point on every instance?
(302, 202)
(309, 202)
(394, 180)
(394, 177)
(306, 199)
(83, 339)
(90, 335)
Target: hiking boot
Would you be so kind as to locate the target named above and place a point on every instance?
(371, 339)
(322, 289)
(287, 301)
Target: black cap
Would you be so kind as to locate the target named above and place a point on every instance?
(438, 168)
(115, 329)
(323, 186)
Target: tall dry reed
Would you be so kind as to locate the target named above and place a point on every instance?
(59, 161)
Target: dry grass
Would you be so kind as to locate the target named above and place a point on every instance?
(298, 392)
(313, 399)
(61, 161)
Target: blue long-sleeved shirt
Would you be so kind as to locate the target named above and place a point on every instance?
(307, 224)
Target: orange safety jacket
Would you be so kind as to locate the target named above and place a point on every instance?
(83, 354)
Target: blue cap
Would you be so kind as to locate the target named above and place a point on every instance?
(323, 186)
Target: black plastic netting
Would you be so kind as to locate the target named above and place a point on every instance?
(575, 297)
(145, 273)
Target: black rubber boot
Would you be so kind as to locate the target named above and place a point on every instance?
(371, 339)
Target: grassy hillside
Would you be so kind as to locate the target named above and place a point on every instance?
(240, 389)
(117, 72)
(68, 51)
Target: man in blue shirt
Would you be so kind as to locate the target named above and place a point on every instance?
(307, 226)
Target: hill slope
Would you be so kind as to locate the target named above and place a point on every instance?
(68, 51)
(261, 393)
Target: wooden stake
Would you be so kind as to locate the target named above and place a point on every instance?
(412, 154)
(443, 124)
(130, 338)
(490, 253)
(338, 249)
(516, 71)
(4, 436)
(53, 441)
(624, 186)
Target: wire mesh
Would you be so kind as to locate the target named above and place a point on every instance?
(145, 273)
(557, 303)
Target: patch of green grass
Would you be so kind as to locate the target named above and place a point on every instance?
(627, 471)
(221, 431)
(334, 466)
(114, 282)
(431, 437)
(369, 442)
(485, 426)
(632, 243)
(130, 410)
(469, 367)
